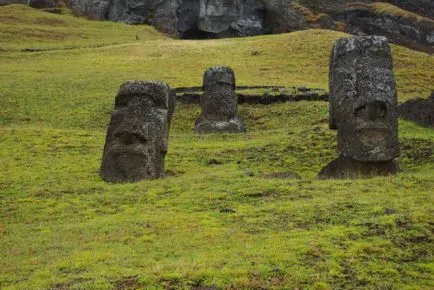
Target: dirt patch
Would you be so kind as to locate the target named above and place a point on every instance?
(67, 285)
(128, 283)
(282, 175)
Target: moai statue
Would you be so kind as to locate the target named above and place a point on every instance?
(363, 109)
(137, 136)
(219, 103)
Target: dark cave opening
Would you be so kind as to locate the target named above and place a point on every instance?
(197, 34)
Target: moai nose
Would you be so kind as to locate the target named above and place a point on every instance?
(376, 110)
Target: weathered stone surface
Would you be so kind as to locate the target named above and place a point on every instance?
(281, 17)
(42, 4)
(404, 31)
(343, 168)
(419, 110)
(93, 9)
(137, 136)
(6, 2)
(363, 107)
(219, 103)
(220, 18)
(422, 7)
(38, 4)
(197, 18)
(216, 16)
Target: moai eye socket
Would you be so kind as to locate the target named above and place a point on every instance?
(360, 111)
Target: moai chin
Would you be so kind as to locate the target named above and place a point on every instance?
(363, 108)
(219, 103)
(137, 136)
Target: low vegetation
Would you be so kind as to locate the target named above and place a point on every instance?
(392, 10)
(223, 217)
(24, 28)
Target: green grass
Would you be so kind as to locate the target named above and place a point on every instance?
(22, 27)
(392, 10)
(227, 225)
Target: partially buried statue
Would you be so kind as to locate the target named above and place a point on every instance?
(363, 109)
(219, 103)
(137, 136)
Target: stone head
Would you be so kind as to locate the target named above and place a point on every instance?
(363, 99)
(137, 135)
(219, 98)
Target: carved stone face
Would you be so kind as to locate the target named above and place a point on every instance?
(137, 135)
(219, 99)
(363, 99)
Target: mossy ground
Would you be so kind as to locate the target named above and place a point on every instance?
(220, 218)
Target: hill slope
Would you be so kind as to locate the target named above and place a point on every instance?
(231, 225)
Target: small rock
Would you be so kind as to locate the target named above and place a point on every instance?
(390, 211)
(227, 210)
(214, 162)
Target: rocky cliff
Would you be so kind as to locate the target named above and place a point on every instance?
(232, 18)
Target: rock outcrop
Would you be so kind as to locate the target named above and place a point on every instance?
(363, 108)
(404, 31)
(137, 136)
(38, 4)
(198, 18)
(201, 19)
(420, 111)
(421, 7)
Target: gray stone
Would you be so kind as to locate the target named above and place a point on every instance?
(281, 17)
(216, 16)
(363, 108)
(42, 4)
(137, 136)
(220, 18)
(38, 4)
(219, 103)
(400, 30)
(420, 111)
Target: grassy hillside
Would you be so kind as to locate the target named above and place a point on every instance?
(24, 28)
(234, 224)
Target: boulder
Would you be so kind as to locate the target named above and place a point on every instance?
(42, 4)
(420, 111)
(137, 136)
(281, 17)
(404, 31)
(421, 7)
